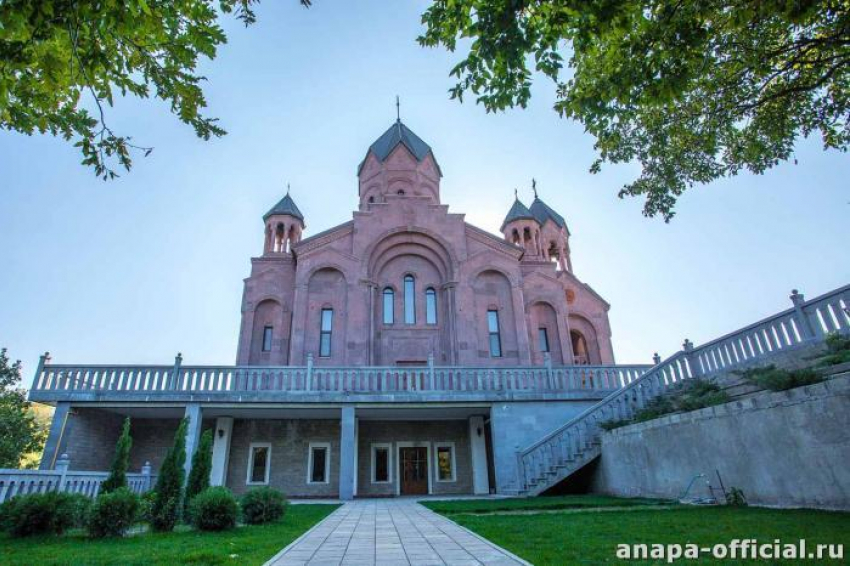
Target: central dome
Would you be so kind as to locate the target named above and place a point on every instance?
(397, 134)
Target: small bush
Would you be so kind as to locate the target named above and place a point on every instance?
(696, 394)
(263, 505)
(146, 506)
(214, 509)
(611, 424)
(655, 408)
(113, 513)
(80, 504)
(776, 379)
(837, 351)
(40, 513)
(735, 497)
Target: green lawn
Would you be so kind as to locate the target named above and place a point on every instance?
(241, 546)
(590, 537)
(537, 503)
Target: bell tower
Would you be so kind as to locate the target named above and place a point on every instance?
(521, 228)
(284, 226)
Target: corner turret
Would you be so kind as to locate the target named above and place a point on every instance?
(284, 226)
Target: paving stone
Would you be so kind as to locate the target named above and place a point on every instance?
(391, 532)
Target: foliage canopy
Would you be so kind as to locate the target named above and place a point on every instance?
(693, 91)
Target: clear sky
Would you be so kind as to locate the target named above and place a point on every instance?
(135, 270)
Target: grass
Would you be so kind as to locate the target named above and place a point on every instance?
(590, 537)
(241, 546)
(481, 506)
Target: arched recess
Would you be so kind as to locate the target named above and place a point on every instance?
(411, 340)
(542, 316)
(411, 240)
(269, 313)
(492, 290)
(326, 289)
(584, 341)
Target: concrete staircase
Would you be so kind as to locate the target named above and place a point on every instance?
(776, 339)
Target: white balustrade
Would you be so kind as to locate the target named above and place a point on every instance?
(23, 482)
(367, 380)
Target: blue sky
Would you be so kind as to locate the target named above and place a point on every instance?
(135, 270)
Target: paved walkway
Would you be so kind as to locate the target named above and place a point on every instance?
(387, 532)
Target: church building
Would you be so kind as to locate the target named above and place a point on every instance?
(405, 351)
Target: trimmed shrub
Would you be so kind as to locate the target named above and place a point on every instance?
(214, 509)
(263, 505)
(168, 501)
(118, 472)
(80, 504)
(146, 506)
(776, 379)
(199, 475)
(113, 513)
(40, 513)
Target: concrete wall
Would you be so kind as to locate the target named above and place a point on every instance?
(788, 449)
(516, 425)
(423, 432)
(290, 441)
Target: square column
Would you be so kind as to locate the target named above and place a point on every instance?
(193, 434)
(478, 447)
(347, 453)
(52, 445)
(221, 450)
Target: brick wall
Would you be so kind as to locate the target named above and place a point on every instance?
(290, 444)
(89, 438)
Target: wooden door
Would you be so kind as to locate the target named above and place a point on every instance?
(414, 471)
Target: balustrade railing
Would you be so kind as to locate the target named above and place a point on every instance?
(808, 322)
(23, 482)
(296, 379)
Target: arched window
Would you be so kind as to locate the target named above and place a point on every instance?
(372, 200)
(409, 300)
(430, 306)
(389, 306)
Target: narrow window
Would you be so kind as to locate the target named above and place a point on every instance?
(325, 335)
(430, 306)
(258, 463)
(495, 338)
(409, 300)
(267, 338)
(380, 463)
(445, 462)
(389, 306)
(318, 464)
(543, 339)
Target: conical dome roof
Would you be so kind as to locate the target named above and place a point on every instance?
(285, 206)
(517, 212)
(397, 134)
(542, 212)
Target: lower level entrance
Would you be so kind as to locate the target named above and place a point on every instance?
(413, 470)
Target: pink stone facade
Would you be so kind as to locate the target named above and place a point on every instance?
(406, 280)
